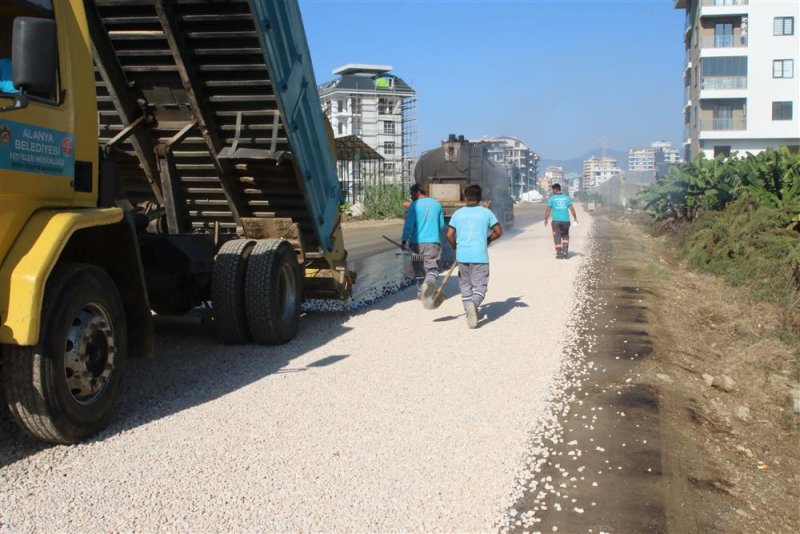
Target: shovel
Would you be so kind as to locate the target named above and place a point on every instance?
(414, 255)
(435, 300)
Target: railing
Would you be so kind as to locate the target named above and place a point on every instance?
(723, 3)
(723, 41)
(723, 82)
(723, 124)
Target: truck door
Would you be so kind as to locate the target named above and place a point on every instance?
(42, 164)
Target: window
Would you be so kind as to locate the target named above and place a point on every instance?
(723, 35)
(341, 128)
(723, 117)
(385, 106)
(724, 72)
(355, 105)
(725, 66)
(388, 169)
(783, 26)
(388, 127)
(357, 126)
(783, 68)
(340, 105)
(388, 148)
(723, 150)
(781, 111)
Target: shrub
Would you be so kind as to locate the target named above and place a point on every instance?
(384, 201)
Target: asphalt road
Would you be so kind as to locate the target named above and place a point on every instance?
(363, 238)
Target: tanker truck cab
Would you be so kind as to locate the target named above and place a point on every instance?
(65, 298)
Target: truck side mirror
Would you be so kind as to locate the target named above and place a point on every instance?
(33, 56)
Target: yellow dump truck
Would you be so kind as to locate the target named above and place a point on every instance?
(155, 156)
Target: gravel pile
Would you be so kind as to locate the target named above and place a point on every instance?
(389, 418)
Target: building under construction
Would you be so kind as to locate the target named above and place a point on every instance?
(377, 107)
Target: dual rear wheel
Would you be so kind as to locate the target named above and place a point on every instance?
(257, 291)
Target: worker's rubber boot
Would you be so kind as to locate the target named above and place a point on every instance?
(472, 315)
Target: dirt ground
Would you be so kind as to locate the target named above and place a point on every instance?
(729, 451)
(647, 442)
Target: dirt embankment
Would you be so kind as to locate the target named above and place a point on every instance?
(724, 376)
(684, 419)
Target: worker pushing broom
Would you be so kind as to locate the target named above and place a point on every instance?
(422, 234)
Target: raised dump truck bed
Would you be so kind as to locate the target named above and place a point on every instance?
(211, 112)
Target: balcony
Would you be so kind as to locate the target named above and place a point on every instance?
(714, 83)
(723, 3)
(723, 41)
(717, 125)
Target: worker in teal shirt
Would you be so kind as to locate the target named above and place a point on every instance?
(560, 205)
(471, 230)
(423, 230)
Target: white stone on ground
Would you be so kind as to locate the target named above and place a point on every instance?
(409, 421)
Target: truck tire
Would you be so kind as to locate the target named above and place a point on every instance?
(274, 292)
(63, 389)
(227, 291)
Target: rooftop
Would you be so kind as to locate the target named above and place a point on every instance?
(361, 69)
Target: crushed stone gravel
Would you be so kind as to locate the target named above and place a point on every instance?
(389, 418)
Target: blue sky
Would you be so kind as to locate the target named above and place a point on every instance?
(557, 74)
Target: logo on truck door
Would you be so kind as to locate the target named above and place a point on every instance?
(28, 148)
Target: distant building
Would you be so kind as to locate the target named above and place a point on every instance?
(573, 180)
(740, 76)
(598, 170)
(648, 158)
(378, 107)
(552, 175)
(521, 161)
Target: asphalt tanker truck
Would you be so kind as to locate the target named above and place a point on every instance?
(156, 155)
(446, 171)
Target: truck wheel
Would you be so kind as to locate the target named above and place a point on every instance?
(227, 291)
(64, 389)
(274, 292)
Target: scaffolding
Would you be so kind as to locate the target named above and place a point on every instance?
(357, 164)
(381, 111)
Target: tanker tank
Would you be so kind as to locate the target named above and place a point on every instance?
(446, 171)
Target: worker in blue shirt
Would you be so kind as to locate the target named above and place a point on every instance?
(560, 205)
(471, 230)
(422, 232)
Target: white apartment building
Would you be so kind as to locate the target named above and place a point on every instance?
(552, 175)
(648, 158)
(378, 107)
(598, 170)
(741, 88)
(521, 161)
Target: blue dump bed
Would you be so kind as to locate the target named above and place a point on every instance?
(228, 89)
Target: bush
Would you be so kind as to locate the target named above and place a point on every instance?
(749, 244)
(384, 201)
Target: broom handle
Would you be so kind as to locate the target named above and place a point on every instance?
(392, 241)
(446, 278)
